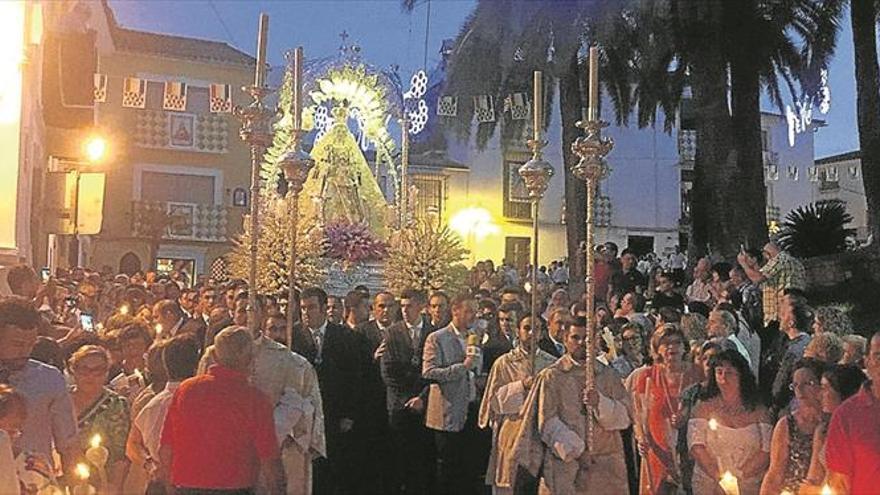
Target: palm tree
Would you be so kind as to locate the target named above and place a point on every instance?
(498, 47)
(653, 50)
(864, 16)
(721, 49)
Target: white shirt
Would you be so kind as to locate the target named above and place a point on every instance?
(462, 337)
(151, 419)
(318, 335)
(176, 328)
(415, 331)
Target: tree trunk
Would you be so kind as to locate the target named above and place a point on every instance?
(714, 189)
(747, 218)
(864, 18)
(575, 190)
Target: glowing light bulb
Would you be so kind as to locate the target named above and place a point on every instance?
(96, 149)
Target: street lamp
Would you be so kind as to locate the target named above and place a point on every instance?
(536, 174)
(591, 168)
(473, 223)
(296, 165)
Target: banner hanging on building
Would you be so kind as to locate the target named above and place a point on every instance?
(134, 93)
(484, 108)
(100, 81)
(175, 96)
(447, 106)
(220, 96)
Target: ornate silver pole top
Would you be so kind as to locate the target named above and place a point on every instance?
(592, 150)
(536, 173)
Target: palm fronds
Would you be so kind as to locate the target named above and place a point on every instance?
(817, 229)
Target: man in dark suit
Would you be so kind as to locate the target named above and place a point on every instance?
(407, 394)
(552, 341)
(371, 429)
(500, 336)
(332, 350)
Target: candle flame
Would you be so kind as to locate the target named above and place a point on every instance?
(123, 310)
(826, 490)
(82, 471)
(158, 328)
(728, 477)
(95, 441)
(713, 424)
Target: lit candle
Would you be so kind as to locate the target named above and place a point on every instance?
(593, 113)
(262, 40)
(137, 377)
(83, 487)
(83, 472)
(826, 490)
(297, 87)
(729, 483)
(158, 329)
(123, 310)
(538, 105)
(97, 454)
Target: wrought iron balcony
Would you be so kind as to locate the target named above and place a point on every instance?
(687, 146)
(180, 221)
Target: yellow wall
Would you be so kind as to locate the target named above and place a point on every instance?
(116, 121)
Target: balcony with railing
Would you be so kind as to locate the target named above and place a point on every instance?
(180, 221)
(687, 146)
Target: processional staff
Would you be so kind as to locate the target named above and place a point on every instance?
(591, 168)
(255, 131)
(536, 174)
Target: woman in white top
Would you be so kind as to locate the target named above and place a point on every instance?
(730, 431)
(12, 416)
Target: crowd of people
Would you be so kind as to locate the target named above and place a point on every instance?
(721, 380)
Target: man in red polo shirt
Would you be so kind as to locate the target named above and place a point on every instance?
(219, 434)
(852, 450)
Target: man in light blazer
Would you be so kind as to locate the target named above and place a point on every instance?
(452, 401)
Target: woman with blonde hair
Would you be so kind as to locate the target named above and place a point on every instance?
(826, 347)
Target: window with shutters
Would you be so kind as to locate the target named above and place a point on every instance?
(430, 195)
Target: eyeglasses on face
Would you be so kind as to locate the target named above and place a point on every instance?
(795, 386)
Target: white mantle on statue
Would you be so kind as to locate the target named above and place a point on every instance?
(340, 282)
